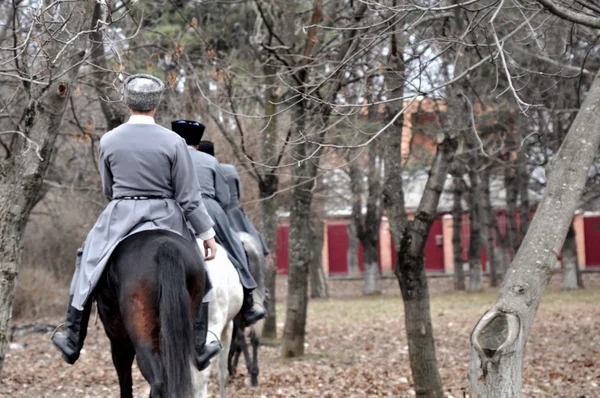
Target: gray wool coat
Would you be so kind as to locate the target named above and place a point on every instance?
(216, 197)
(237, 216)
(140, 160)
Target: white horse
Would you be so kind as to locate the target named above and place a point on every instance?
(256, 263)
(226, 302)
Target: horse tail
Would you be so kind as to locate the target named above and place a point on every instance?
(176, 327)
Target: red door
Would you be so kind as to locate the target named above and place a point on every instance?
(434, 248)
(591, 228)
(337, 241)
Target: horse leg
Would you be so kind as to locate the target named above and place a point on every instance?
(255, 341)
(222, 373)
(151, 369)
(235, 350)
(244, 347)
(122, 355)
(142, 327)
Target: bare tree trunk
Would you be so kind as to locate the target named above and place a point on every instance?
(579, 276)
(299, 248)
(372, 275)
(410, 237)
(269, 204)
(502, 250)
(318, 282)
(523, 182)
(268, 186)
(457, 215)
(511, 212)
(569, 259)
(499, 338)
(475, 271)
(22, 175)
(488, 217)
(367, 225)
(352, 251)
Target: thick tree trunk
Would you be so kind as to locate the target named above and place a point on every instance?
(299, 248)
(300, 258)
(372, 275)
(569, 260)
(457, 215)
(475, 271)
(499, 338)
(410, 267)
(410, 271)
(410, 237)
(318, 281)
(21, 176)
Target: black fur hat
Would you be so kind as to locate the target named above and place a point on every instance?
(207, 147)
(190, 130)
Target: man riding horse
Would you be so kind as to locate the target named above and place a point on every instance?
(216, 197)
(148, 175)
(238, 219)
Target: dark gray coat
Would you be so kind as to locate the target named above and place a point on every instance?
(237, 216)
(215, 193)
(140, 160)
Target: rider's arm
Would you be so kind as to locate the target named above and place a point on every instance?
(187, 192)
(105, 173)
(222, 194)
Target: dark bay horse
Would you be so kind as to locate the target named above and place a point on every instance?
(152, 286)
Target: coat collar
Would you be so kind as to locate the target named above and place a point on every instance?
(141, 119)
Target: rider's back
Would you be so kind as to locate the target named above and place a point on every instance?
(141, 158)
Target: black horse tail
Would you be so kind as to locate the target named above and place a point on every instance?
(176, 327)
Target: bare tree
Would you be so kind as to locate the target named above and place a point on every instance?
(499, 338)
(46, 68)
(366, 224)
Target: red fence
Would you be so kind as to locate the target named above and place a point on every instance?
(337, 237)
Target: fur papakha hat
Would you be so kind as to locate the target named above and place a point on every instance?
(142, 93)
(207, 147)
(190, 130)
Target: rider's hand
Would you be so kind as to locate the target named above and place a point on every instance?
(210, 249)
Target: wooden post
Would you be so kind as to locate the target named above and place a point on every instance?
(447, 224)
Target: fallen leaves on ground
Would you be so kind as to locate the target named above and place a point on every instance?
(355, 347)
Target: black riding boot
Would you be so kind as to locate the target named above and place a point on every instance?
(70, 344)
(251, 313)
(204, 352)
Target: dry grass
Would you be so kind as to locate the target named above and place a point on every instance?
(39, 294)
(356, 347)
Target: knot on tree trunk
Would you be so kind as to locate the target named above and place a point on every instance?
(494, 335)
(62, 89)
